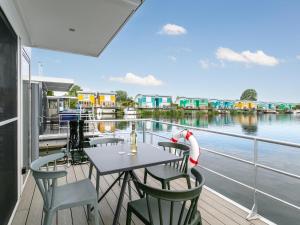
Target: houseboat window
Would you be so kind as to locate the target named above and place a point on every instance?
(8, 70)
(8, 119)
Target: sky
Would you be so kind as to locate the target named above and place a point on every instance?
(194, 48)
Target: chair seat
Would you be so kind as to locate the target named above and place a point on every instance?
(139, 207)
(165, 172)
(78, 193)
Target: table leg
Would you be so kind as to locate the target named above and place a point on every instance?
(129, 190)
(110, 187)
(97, 182)
(121, 197)
(90, 170)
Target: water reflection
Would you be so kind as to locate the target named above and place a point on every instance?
(266, 125)
(107, 127)
(248, 123)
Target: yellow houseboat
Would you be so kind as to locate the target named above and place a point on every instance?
(245, 105)
(106, 100)
(86, 99)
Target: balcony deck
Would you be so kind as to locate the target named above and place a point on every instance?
(214, 209)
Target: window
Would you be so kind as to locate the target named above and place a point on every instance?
(8, 70)
(8, 120)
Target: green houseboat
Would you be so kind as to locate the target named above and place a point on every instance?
(286, 107)
(266, 107)
(218, 104)
(153, 101)
(192, 103)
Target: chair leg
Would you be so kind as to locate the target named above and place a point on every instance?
(48, 218)
(96, 214)
(188, 180)
(119, 180)
(89, 212)
(145, 176)
(128, 219)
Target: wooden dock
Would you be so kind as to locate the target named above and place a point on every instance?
(214, 209)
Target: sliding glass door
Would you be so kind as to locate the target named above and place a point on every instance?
(8, 119)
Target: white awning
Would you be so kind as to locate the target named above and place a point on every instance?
(54, 83)
(78, 26)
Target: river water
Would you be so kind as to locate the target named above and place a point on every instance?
(278, 127)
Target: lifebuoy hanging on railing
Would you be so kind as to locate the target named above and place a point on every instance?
(195, 150)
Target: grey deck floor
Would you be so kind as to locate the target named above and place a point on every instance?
(214, 209)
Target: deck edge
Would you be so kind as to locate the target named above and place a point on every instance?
(13, 214)
(263, 219)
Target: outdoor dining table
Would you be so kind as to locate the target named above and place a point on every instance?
(119, 159)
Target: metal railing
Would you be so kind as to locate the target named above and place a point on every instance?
(254, 211)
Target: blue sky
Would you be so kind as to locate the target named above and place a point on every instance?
(212, 48)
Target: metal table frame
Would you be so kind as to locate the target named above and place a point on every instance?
(125, 175)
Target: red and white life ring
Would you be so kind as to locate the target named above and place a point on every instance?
(195, 150)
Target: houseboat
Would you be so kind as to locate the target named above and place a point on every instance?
(153, 101)
(86, 99)
(130, 111)
(106, 103)
(266, 107)
(222, 106)
(59, 25)
(192, 103)
(286, 107)
(245, 105)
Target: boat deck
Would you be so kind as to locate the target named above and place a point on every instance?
(214, 209)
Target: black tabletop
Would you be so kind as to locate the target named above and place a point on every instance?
(117, 158)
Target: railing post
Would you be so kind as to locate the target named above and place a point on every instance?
(68, 142)
(253, 213)
(144, 132)
(151, 140)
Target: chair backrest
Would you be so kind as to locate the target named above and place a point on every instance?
(45, 179)
(188, 199)
(105, 141)
(180, 150)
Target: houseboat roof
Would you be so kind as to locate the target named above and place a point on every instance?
(153, 95)
(66, 24)
(106, 93)
(224, 100)
(54, 83)
(178, 97)
(61, 97)
(86, 92)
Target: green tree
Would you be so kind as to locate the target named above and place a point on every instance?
(249, 94)
(73, 90)
(73, 93)
(50, 93)
(121, 96)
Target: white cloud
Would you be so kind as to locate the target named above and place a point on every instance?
(172, 58)
(298, 57)
(172, 29)
(248, 57)
(131, 78)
